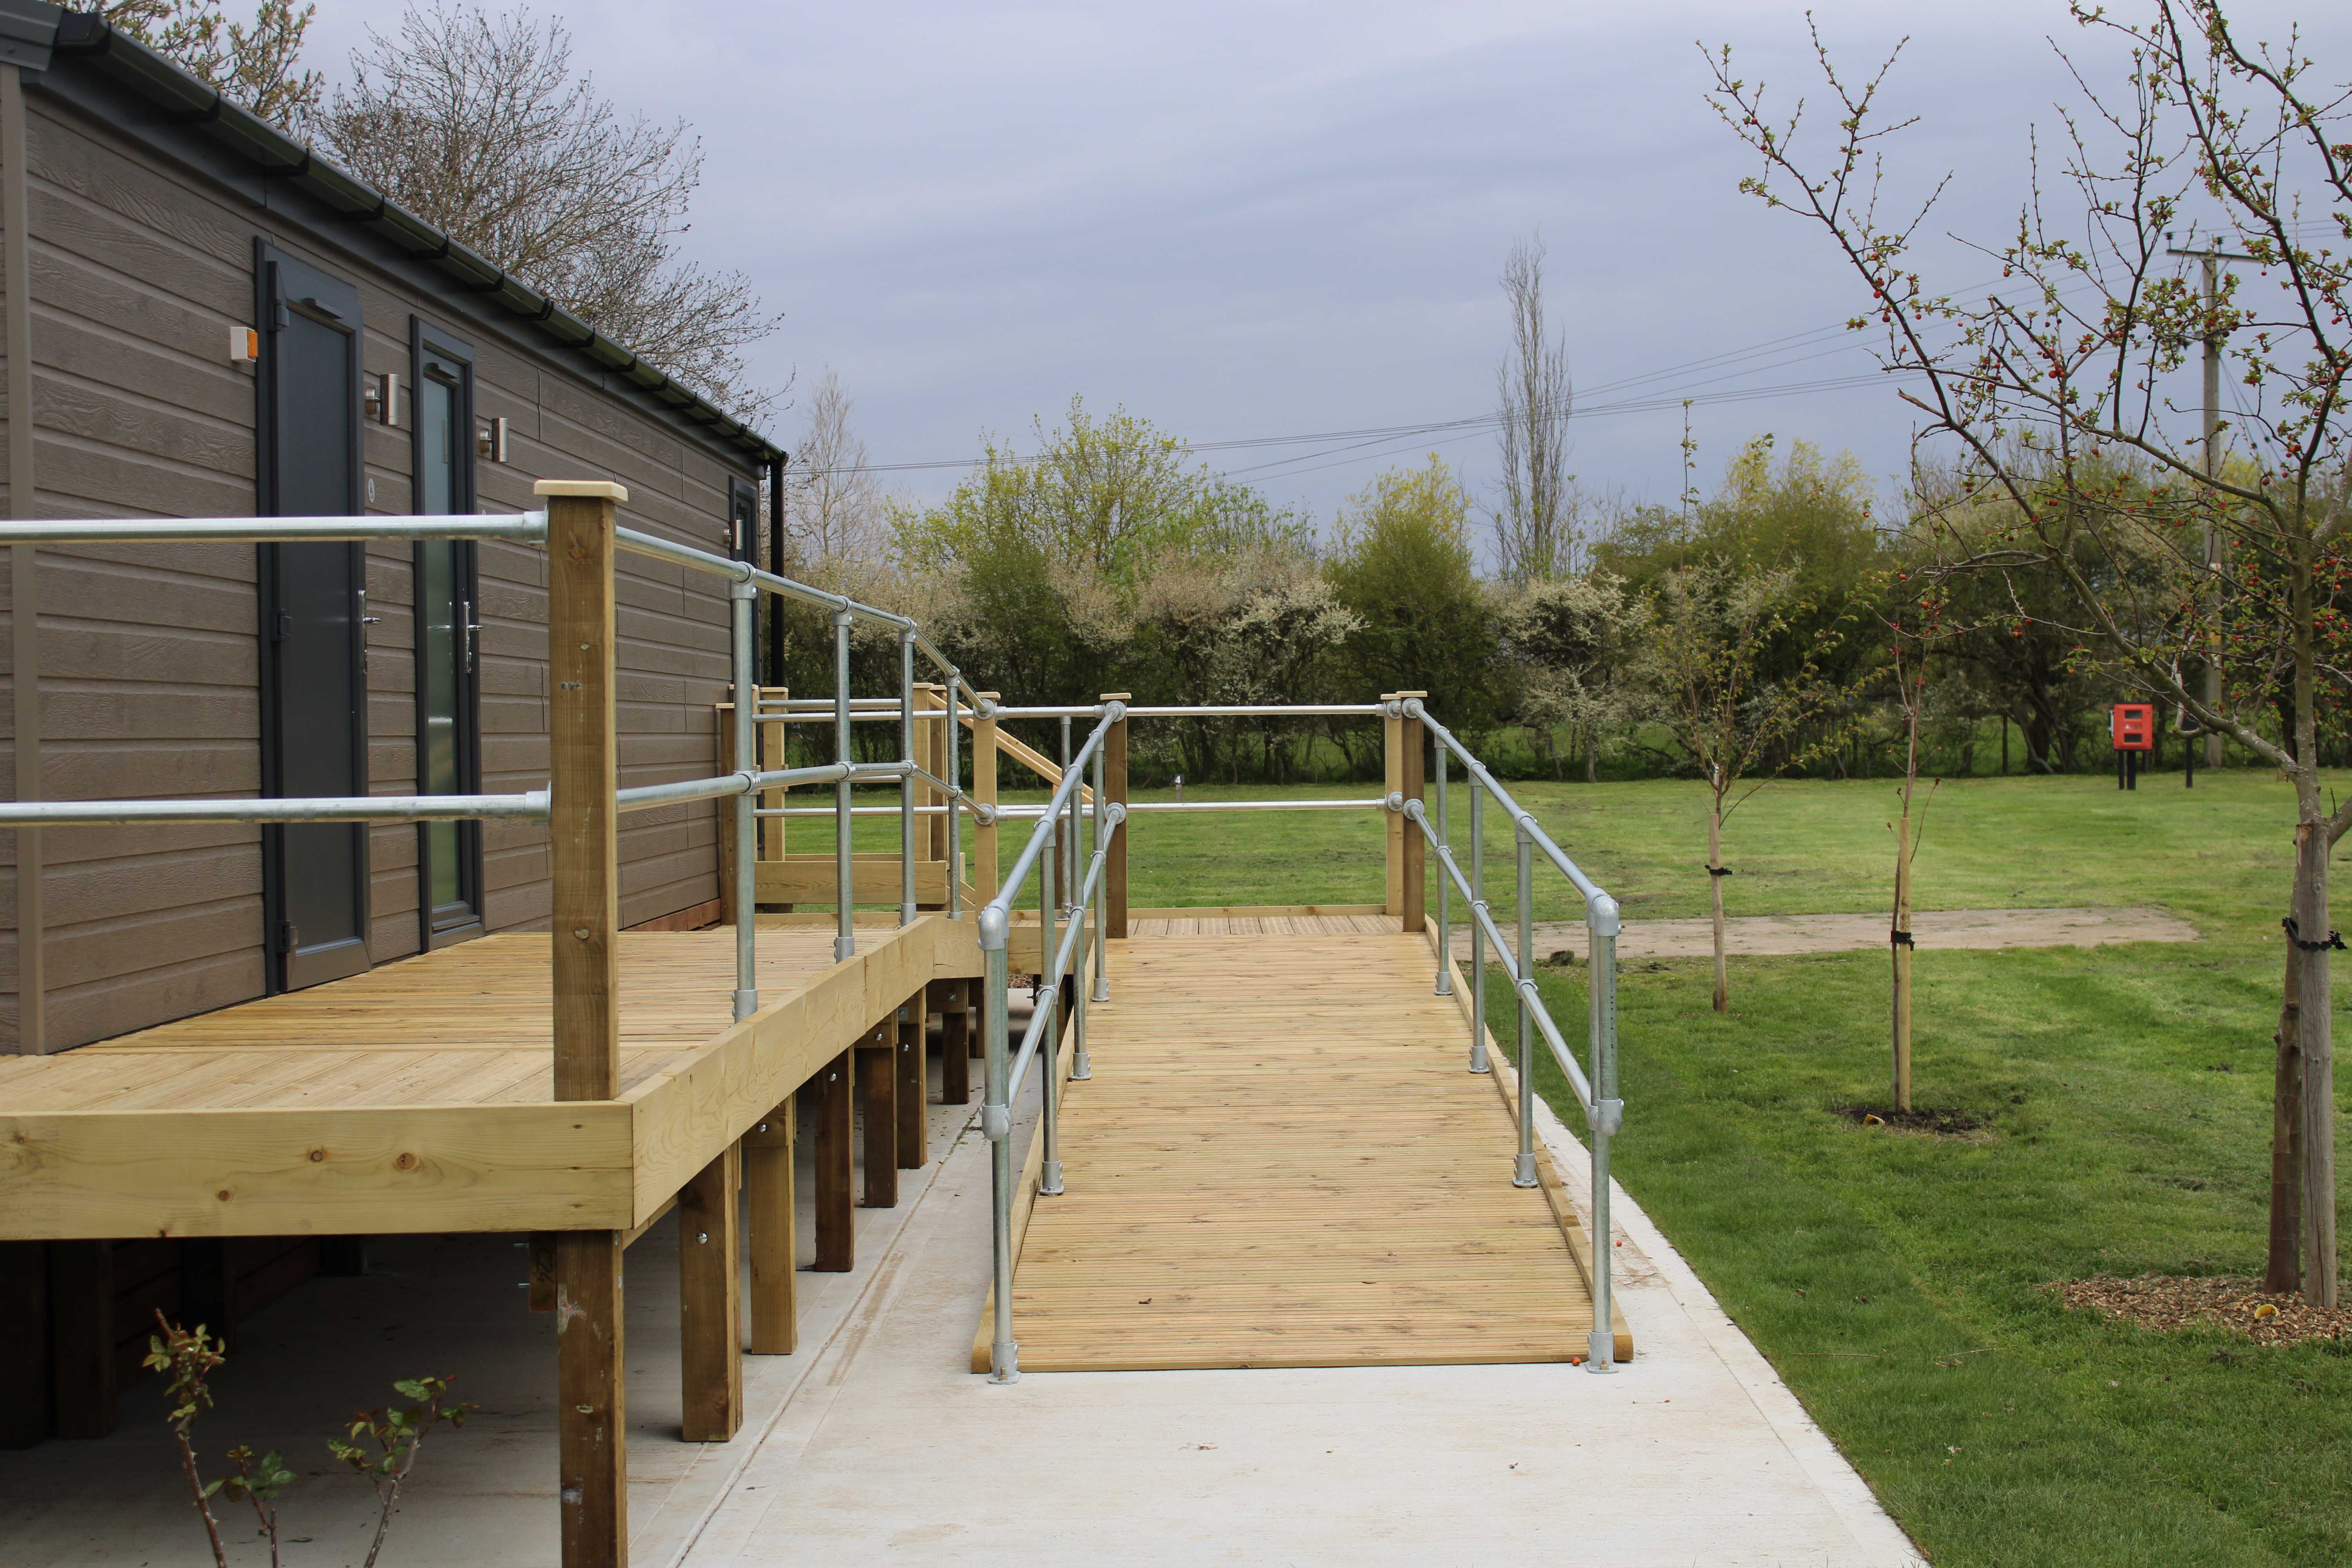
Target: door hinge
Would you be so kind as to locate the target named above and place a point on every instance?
(281, 625)
(289, 936)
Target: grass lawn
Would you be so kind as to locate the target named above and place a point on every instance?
(1894, 1278)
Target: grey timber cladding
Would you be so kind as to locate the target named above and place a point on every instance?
(142, 262)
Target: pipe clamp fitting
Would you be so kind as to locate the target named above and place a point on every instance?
(996, 1121)
(1608, 1116)
(995, 924)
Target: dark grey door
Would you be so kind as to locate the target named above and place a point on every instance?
(313, 602)
(448, 627)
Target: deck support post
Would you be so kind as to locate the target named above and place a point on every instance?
(914, 1084)
(592, 1399)
(24, 1343)
(983, 790)
(878, 1107)
(710, 1301)
(947, 999)
(1114, 774)
(770, 1205)
(591, 1376)
(81, 1337)
(836, 1213)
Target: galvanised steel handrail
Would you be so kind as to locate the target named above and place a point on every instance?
(1596, 1091)
(745, 584)
(1002, 1075)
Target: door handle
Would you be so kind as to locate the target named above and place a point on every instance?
(469, 630)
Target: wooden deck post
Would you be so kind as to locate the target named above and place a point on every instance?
(878, 1107)
(771, 1205)
(771, 752)
(1414, 891)
(81, 1337)
(836, 1215)
(1114, 906)
(983, 790)
(710, 1301)
(591, 1378)
(914, 1084)
(24, 1343)
(728, 763)
(591, 1410)
(948, 1000)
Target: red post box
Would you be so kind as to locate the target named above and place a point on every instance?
(2134, 727)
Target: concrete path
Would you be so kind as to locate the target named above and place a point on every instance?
(893, 1451)
(1755, 935)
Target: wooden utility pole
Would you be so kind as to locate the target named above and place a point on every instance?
(591, 1408)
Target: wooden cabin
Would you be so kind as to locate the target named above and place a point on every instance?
(204, 318)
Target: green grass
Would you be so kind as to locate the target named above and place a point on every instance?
(1894, 1278)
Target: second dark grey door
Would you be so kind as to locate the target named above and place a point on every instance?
(313, 602)
(448, 629)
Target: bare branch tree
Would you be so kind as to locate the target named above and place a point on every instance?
(478, 124)
(2053, 390)
(1534, 535)
(836, 516)
(259, 64)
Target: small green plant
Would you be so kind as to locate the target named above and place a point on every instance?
(188, 1358)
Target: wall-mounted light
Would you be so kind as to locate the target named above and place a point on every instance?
(490, 440)
(383, 397)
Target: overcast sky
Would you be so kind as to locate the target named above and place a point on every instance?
(1247, 220)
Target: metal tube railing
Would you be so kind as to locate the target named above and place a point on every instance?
(907, 781)
(744, 600)
(519, 527)
(845, 937)
(1411, 708)
(1596, 1092)
(530, 806)
(996, 1111)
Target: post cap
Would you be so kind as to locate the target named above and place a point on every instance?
(593, 489)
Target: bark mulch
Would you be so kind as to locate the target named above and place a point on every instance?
(2168, 1303)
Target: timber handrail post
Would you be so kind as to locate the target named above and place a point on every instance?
(1114, 753)
(581, 822)
(983, 790)
(592, 1400)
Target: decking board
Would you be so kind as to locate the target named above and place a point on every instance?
(418, 1096)
(1280, 1160)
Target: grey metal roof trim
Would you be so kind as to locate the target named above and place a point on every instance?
(189, 102)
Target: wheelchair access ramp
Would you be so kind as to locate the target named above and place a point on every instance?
(1282, 1160)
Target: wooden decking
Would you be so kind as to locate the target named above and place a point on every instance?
(418, 1097)
(1281, 1160)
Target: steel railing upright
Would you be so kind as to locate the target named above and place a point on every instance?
(745, 583)
(1004, 1072)
(1596, 1091)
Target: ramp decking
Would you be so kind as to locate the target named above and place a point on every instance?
(1281, 1160)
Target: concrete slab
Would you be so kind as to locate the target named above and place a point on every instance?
(893, 1451)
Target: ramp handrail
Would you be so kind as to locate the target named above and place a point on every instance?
(742, 785)
(1058, 833)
